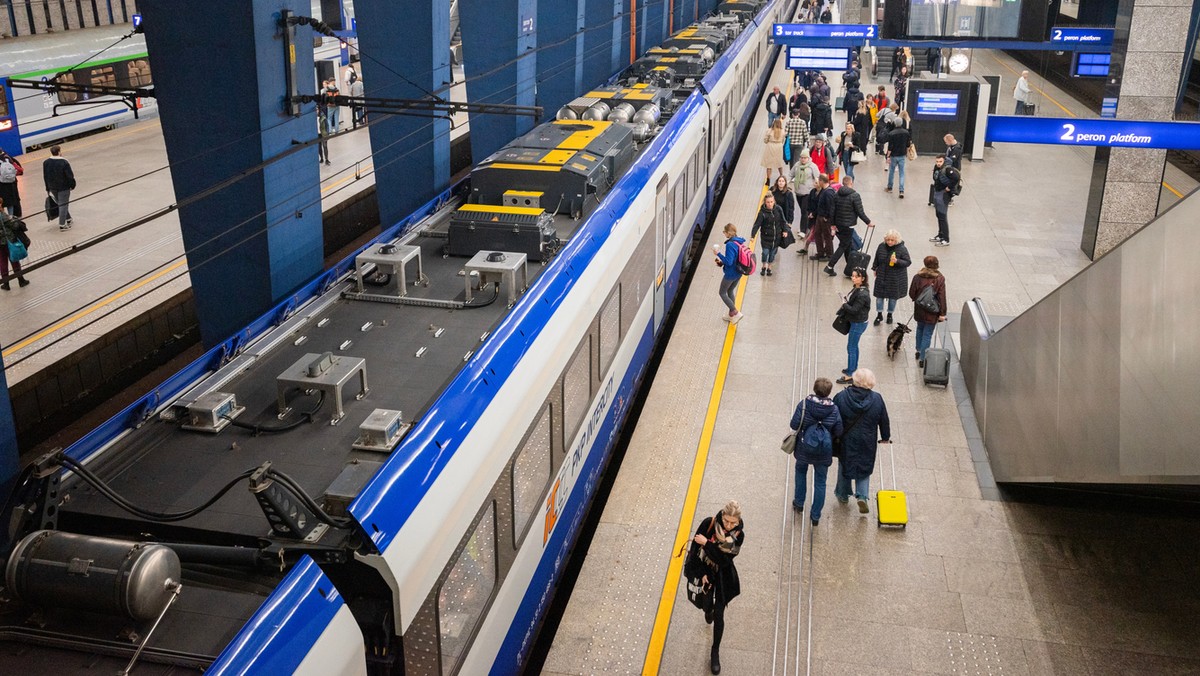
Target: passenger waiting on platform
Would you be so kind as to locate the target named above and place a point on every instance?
(782, 191)
(804, 180)
(847, 211)
(718, 540)
(854, 96)
(11, 230)
(901, 83)
(898, 141)
(771, 221)
(816, 409)
(863, 122)
(954, 151)
(59, 180)
(772, 157)
(927, 321)
(797, 134)
(863, 412)
(945, 179)
(856, 307)
(358, 114)
(330, 91)
(10, 190)
(891, 274)
(323, 135)
(1022, 93)
(847, 144)
(826, 204)
(776, 106)
(727, 259)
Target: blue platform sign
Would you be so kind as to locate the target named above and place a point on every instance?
(1107, 133)
(825, 31)
(1092, 37)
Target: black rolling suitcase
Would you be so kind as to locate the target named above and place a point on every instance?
(860, 258)
(937, 362)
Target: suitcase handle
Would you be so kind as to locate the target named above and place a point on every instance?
(892, 453)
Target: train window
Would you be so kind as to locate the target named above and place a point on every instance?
(577, 389)
(610, 330)
(530, 474)
(138, 73)
(679, 194)
(465, 593)
(3, 104)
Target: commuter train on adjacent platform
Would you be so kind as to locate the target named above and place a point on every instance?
(453, 485)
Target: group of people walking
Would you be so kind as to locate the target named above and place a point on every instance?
(59, 180)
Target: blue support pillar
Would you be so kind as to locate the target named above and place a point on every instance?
(406, 54)
(221, 81)
(597, 42)
(10, 455)
(557, 64)
(580, 44)
(499, 53)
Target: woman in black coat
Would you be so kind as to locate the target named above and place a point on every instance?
(856, 309)
(784, 198)
(891, 274)
(717, 541)
(863, 413)
(771, 220)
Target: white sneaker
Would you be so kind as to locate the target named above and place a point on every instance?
(941, 243)
(726, 317)
(736, 318)
(65, 226)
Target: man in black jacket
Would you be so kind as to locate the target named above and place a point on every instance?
(847, 210)
(776, 105)
(898, 141)
(954, 151)
(945, 180)
(60, 181)
(823, 217)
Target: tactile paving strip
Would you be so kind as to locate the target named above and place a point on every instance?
(976, 655)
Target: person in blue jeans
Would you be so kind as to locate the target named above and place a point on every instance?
(727, 256)
(898, 141)
(816, 409)
(928, 278)
(856, 308)
(863, 412)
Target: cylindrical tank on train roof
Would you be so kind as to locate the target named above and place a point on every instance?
(118, 577)
(707, 54)
(623, 112)
(598, 112)
(648, 115)
(565, 113)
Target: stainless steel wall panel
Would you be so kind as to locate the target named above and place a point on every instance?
(1098, 381)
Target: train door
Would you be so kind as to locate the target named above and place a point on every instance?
(10, 137)
(662, 226)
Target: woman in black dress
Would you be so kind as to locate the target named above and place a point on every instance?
(717, 541)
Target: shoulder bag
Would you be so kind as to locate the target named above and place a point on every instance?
(841, 324)
(789, 442)
(912, 151)
(837, 442)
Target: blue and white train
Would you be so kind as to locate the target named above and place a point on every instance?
(437, 543)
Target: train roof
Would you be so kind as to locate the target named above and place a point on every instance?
(57, 51)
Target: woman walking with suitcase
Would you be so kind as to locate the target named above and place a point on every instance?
(863, 412)
(927, 291)
(717, 541)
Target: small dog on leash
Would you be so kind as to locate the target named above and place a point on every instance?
(895, 339)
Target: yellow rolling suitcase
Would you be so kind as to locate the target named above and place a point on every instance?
(892, 506)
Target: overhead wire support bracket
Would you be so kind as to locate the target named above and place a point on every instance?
(400, 106)
(128, 95)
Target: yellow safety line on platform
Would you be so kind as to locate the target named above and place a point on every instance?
(1052, 100)
(666, 601)
(87, 311)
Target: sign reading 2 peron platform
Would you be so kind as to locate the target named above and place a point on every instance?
(825, 31)
(1081, 36)
(1107, 133)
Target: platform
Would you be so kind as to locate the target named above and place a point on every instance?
(974, 584)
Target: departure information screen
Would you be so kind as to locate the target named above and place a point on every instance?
(934, 103)
(1092, 64)
(818, 58)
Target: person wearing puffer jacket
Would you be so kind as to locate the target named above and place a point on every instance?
(816, 409)
(863, 412)
(727, 257)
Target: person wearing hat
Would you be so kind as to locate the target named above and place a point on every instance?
(804, 179)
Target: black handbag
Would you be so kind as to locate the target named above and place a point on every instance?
(841, 324)
(51, 208)
(699, 594)
(786, 237)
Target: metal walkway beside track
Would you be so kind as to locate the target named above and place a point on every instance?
(974, 584)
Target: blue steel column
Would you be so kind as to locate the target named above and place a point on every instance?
(220, 77)
(499, 53)
(597, 42)
(9, 453)
(557, 62)
(580, 43)
(404, 43)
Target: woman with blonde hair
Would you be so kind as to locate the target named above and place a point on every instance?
(847, 143)
(891, 274)
(717, 541)
(772, 157)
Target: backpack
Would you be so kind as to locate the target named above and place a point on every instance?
(817, 441)
(745, 260)
(958, 186)
(927, 301)
(8, 172)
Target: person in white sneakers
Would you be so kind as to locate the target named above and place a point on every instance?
(60, 181)
(727, 258)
